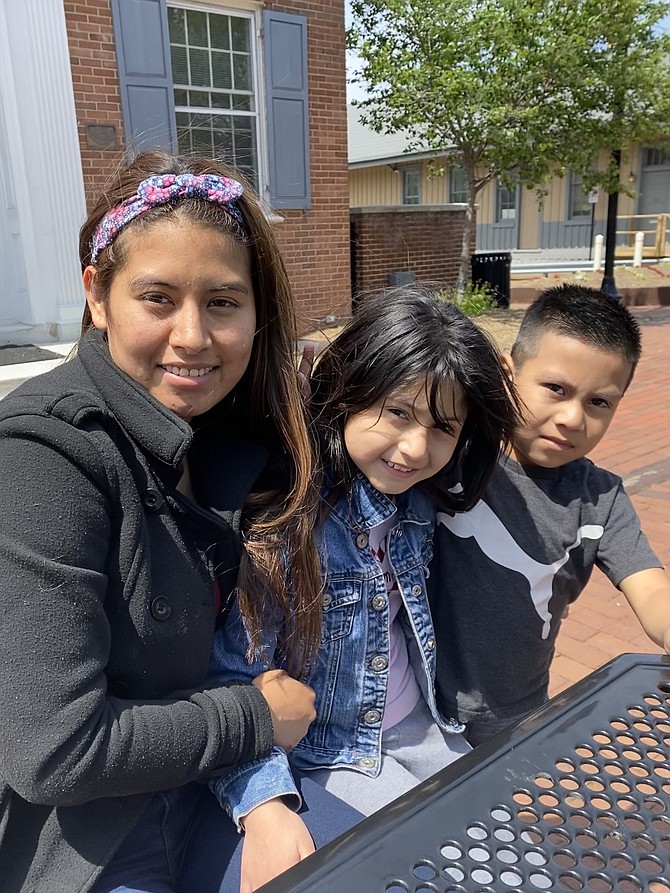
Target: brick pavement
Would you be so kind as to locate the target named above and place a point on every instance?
(601, 625)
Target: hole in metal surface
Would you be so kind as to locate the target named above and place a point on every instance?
(629, 885)
(479, 854)
(507, 835)
(507, 855)
(424, 871)
(451, 851)
(587, 839)
(541, 880)
(535, 857)
(453, 873)
(593, 861)
(477, 832)
(544, 781)
(642, 842)
(511, 878)
(532, 835)
(600, 884)
(575, 800)
(650, 864)
(614, 841)
(396, 887)
(571, 882)
(558, 837)
(500, 814)
(564, 859)
(565, 765)
(481, 876)
(621, 862)
(523, 798)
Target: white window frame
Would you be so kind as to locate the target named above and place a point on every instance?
(252, 11)
(452, 171)
(506, 220)
(576, 181)
(414, 169)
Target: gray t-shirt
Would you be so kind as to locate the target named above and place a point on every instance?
(503, 574)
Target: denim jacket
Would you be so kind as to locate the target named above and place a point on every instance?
(350, 675)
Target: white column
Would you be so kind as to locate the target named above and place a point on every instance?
(42, 157)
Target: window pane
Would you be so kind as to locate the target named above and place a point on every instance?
(242, 72)
(198, 98)
(579, 200)
(176, 23)
(506, 203)
(199, 60)
(242, 102)
(179, 65)
(180, 97)
(221, 100)
(221, 74)
(218, 32)
(458, 187)
(411, 187)
(197, 28)
(240, 33)
(223, 145)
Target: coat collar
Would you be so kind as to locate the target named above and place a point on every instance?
(153, 426)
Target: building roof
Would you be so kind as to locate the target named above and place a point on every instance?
(368, 148)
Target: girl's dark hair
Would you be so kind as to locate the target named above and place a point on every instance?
(399, 337)
(268, 405)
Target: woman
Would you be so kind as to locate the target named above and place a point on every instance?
(139, 479)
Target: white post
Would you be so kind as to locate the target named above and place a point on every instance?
(598, 253)
(637, 251)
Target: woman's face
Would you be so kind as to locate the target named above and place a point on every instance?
(180, 316)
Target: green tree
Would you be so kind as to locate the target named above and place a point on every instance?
(516, 89)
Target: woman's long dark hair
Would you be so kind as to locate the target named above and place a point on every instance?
(399, 337)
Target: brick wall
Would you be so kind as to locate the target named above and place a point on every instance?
(315, 242)
(425, 240)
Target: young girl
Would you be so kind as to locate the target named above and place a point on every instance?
(409, 387)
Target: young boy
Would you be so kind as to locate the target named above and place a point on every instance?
(504, 573)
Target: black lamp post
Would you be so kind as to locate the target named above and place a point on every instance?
(608, 283)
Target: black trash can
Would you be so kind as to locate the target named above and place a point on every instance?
(493, 268)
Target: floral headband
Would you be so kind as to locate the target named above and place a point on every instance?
(161, 190)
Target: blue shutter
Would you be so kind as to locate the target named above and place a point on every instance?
(143, 58)
(285, 38)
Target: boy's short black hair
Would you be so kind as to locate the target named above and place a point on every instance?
(586, 314)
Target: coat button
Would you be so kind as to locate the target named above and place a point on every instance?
(366, 763)
(152, 499)
(379, 663)
(416, 589)
(371, 717)
(362, 540)
(160, 608)
(378, 602)
(327, 599)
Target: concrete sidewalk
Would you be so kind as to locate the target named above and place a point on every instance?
(637, 447)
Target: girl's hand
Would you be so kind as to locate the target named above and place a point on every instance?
(275, 838)
(291, 704)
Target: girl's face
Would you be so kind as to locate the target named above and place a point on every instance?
(180, 316)
(396, 443)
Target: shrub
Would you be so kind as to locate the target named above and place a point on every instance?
(476, 299)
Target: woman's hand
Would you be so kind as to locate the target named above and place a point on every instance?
(291, 704)
(275, 838)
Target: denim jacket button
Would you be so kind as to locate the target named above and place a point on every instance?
(417, 589)
(362, 540)
(371, 717)
(379, 663)
(327, 599)
(379, 602)
(430, 644)
(366, 763)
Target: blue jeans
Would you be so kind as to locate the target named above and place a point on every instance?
(186, 842)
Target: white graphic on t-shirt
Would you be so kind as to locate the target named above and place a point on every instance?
(497, 543)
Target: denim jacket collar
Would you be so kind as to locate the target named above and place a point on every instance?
(363, 507)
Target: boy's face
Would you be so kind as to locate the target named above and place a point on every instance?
(570, 391)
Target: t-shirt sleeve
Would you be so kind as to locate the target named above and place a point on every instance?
(624, 549)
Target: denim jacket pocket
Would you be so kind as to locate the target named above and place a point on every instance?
(339, 607)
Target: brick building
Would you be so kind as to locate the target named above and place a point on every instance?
(259, 84)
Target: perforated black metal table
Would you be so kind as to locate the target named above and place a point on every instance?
(576, 797)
